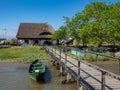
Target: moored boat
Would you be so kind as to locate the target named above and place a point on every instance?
(37, 70)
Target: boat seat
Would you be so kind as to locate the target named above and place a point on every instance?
(37, 65)
(37, 68)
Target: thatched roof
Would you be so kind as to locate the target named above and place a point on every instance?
(34, 30)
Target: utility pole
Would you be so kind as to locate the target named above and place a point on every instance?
(5, 33)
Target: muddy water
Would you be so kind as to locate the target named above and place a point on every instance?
(112, 66)
(14, 76)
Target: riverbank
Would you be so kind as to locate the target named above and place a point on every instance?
(12, 63)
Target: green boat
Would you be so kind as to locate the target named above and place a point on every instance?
(37, 70)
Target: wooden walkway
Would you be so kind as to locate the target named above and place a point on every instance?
(86, 74)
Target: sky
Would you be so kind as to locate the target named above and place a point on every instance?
(13, 12)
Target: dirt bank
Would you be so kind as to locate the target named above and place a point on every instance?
(10, 63)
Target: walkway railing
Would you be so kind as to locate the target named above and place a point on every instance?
(97, 55)
(86, 74)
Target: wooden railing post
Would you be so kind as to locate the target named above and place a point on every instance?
(47, 49)
(103, 80)
(119, 66)
(52, 49)
(65, 60)
(55, 51)
(78, 69)
(76, 52)
(84, 54)
(79, 86)
(60, 54)
(96, 59)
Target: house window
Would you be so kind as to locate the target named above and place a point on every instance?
(36, 41)
(26, 41)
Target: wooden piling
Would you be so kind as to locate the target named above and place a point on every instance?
(53, 63)
(61, 70)
(57, 65)
(69, 77)
(80, 87)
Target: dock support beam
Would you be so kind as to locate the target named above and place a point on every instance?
(69, 77)
(61, 71)
(80, 87)
(53, 63)
(57, 65)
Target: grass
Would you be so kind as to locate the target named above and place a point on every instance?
(25, 54)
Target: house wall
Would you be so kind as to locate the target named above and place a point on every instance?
(41, 42)
(33, 42)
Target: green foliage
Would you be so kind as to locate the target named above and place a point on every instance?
(61, 33)
(27, 53)
(98, 23)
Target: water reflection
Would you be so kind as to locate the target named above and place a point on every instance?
(48, 76)
(7, 69)
(17, 78)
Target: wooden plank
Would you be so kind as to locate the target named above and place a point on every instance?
(96, 77)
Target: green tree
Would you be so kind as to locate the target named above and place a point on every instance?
(80, 22)
(113, 23)
(97, 23)
(60, 34)
(95, 13)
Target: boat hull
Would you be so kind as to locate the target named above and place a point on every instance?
(37, 70)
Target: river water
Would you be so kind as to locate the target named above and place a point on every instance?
(14, 76)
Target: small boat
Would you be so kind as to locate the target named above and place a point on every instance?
(37, 70)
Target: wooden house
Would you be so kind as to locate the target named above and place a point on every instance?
(35, 33)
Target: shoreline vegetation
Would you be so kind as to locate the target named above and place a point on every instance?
(22, 54)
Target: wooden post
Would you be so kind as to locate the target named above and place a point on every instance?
(119, 66)
(60, 54)
(96, 59)
(48, 50)
(65, 71)
(84, 54)
(57, 65)
(68, 77)
(65, 60)
(61, 70)
(52, 49)
(78, 69)
(76, 52)
(55, 52)
(80, 87)
(53, 63)
(103, 81)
